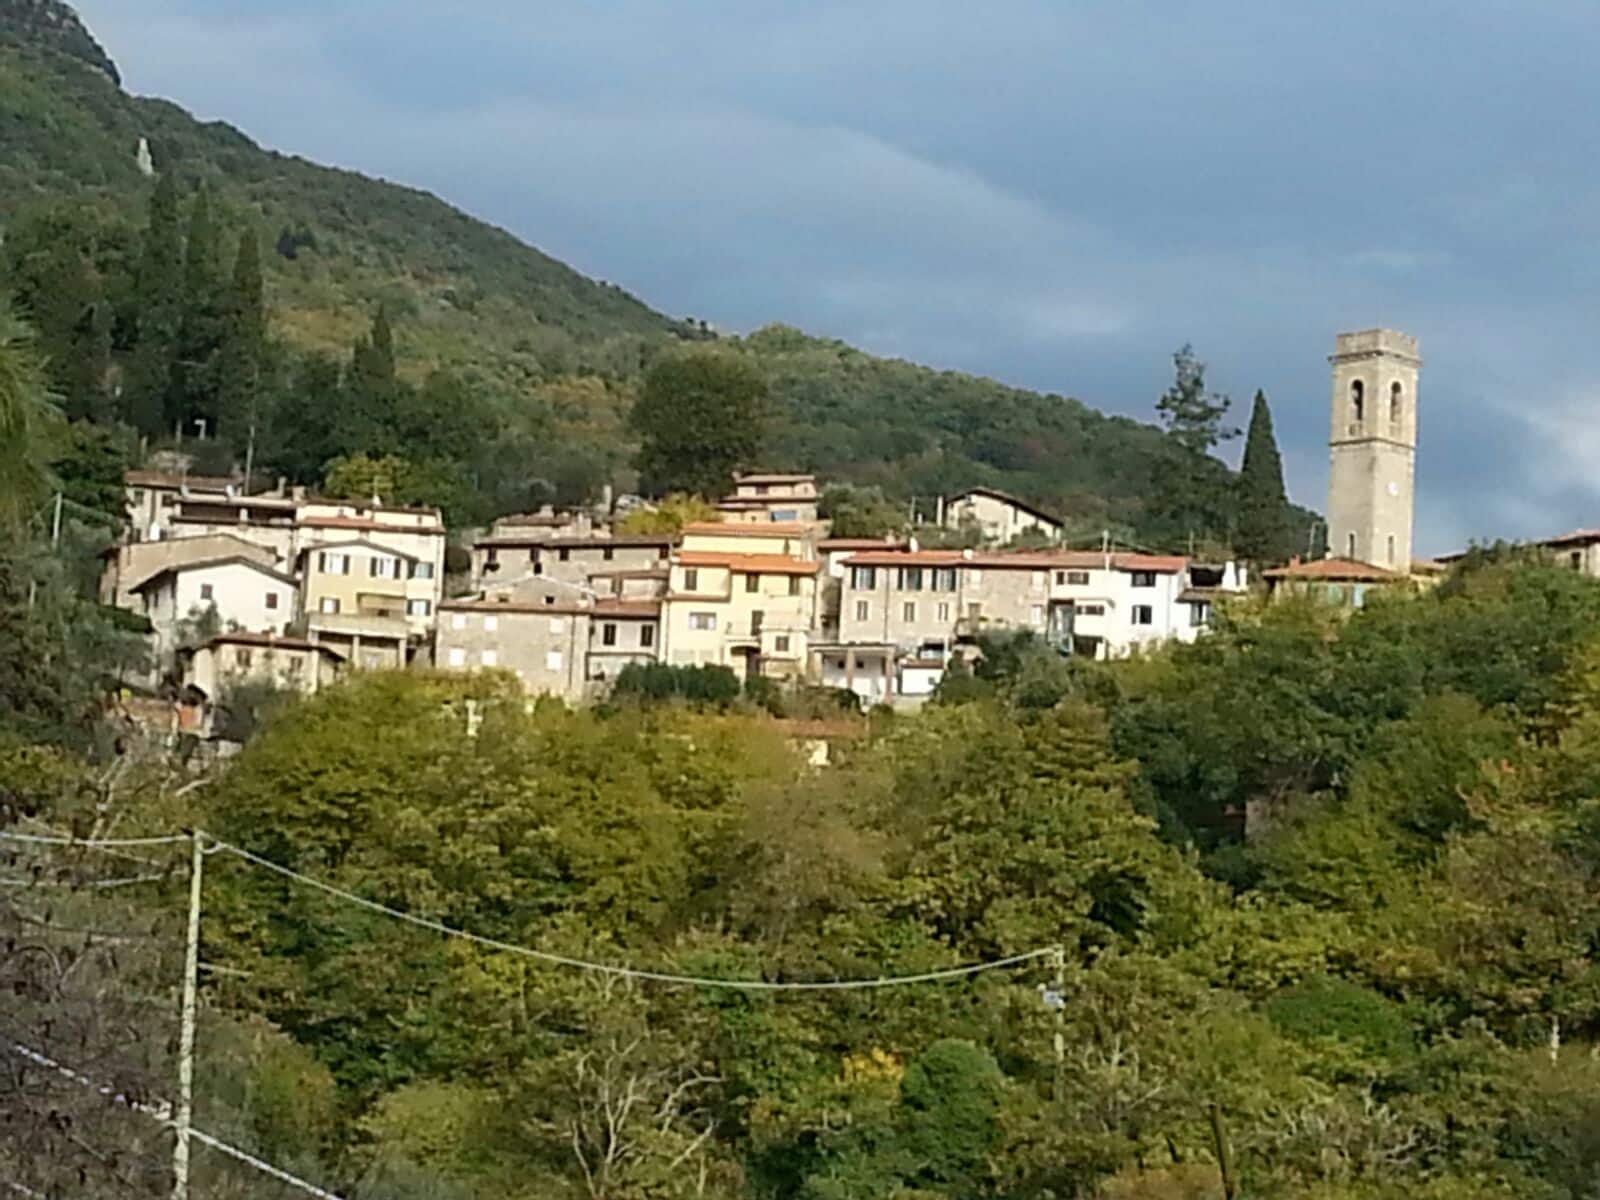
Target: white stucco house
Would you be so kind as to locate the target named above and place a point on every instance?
(247, 595)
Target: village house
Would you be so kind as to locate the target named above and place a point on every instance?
(237, 591)
(230, 659)
(998, 516)
(751, 611)
(1338, 581)
(903, 613)
(372, 603)
(507, 556)
(129, 564)
(778, 498)
(555, 644)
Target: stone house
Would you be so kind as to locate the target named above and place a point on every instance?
(508, 557)
(1342, 582)
(128, 564)
(228, 659)
(751, 612)
(1000, 517)
(246, 594)
(771, 498)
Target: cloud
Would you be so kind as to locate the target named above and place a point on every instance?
(1055, 195)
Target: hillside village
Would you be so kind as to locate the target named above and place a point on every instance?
(468, 735)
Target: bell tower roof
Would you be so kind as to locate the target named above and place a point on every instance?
(1371, 343)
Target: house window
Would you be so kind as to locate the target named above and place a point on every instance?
(564, 554)
(458, 621)
(647, 636)
(490, 624)
(944, 579)
(1142, 579)
(908, 611)
(794, 585)
(757, 620)
(910, 579)
(491, 561)
(1575, 560)
(1089, 610)
(944, 613)
(490, 658)
(423, 570)
(691, 579)
(418, 608)
(384, 568)
(1072, 578)
(272, 601)
(330, 604)
(205, 591)
(1199, 613)
(241, 658)
(552, 660)
(780, 644)
(863, 610)
(608, 634)
(333, 564)
(1391, 549)
(1036, 614)
(752, 582)
(1350, 546)
(702, 621)
(458, 657)
(863, 579)
(1143, 614)
(608, 554)
(295, 666)
(662, 551)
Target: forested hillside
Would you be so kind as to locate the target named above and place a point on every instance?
(551, 360)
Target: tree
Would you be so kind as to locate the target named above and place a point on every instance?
(700, 418)
(159, 299)
(1260, 503)
(28, 424)
(1189, 486)
(243, 344)
(860, 512)
(204, 320)
(669, 516)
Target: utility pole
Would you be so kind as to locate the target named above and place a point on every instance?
(55, 525)
(191, 978)
(1059, 958)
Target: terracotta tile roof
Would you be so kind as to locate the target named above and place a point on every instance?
(770, 529)
(625, 541)
(1015, 502)
(1575, 537)
(858, 544)
(479, 604)
(1340, 569)
(774, 477)
(750, 564)
(363, 542)
(1021, 560)
(222, 560)
(627, 608)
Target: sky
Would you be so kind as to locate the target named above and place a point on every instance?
(1056, 194)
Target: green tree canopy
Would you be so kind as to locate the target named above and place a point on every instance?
(1262, 535)
(700, 417)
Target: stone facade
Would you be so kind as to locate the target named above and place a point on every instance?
(1372, 443)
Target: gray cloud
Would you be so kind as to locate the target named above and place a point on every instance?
(1053, 195)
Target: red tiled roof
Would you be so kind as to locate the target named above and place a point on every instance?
(1577, 535)
(750, 564)
(627, 608)
(1021, 560)
(771, 529)
(773, 477)
(1341, 569)
(858, 544)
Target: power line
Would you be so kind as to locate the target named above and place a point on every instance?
(161, 1111)
(38, 839)
(562, 960)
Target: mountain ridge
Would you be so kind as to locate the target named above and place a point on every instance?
(556, 353)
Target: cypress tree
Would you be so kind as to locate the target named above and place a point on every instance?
(1263, 527)
(197, 394)
(243, 343)
(159, 293)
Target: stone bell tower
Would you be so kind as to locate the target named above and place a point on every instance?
(1373, 447)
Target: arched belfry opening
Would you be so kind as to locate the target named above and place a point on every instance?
(1358, 401)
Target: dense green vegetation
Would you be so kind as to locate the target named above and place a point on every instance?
(1387, 990)
(515, 375)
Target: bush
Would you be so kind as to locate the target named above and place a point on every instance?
(717, 687)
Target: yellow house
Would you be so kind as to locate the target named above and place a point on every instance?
(751, 612)
(726, 537)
